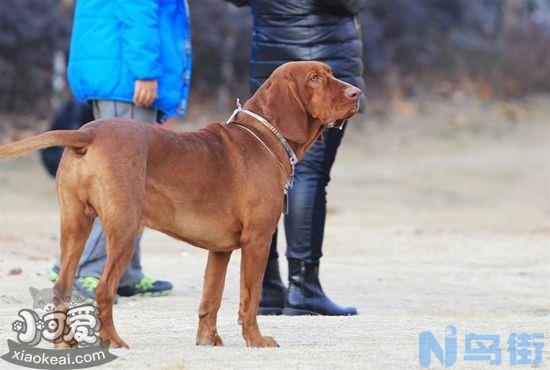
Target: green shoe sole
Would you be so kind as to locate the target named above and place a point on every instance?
(52, 276)
(155, 294)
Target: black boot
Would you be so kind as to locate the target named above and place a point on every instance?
(272, 300)
(305, 295)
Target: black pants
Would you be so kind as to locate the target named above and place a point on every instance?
(305, 222)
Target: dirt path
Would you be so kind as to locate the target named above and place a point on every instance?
(435, 219)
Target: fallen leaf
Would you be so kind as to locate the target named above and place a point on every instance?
(15, 271)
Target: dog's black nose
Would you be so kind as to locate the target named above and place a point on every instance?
(353, 93)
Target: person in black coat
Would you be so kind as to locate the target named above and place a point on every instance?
(71, 116)
(290, 30)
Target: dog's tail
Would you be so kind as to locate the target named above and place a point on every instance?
(77, 140)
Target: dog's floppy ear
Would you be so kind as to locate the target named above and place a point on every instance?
(287, 110)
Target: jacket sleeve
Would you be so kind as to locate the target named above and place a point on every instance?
(140, 39)
(352, 6)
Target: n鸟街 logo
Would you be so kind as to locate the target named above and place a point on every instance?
(487, 348)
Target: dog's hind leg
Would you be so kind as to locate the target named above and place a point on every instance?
(117, 195)
(75, 228)
(214, 281)
(121, 237)
(120, 213)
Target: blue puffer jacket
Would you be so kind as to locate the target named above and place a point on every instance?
(115, 42)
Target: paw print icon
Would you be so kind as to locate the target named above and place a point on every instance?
(27, 328)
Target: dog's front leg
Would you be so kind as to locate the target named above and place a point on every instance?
(214, 280)
(254, 250)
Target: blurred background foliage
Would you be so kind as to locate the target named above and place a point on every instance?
(484, 48)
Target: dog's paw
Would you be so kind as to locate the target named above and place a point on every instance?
(113, 342)
(119, 343)
(262, 342)
(63, 345)
(209, 339)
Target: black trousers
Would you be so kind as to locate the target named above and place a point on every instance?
(305, 222)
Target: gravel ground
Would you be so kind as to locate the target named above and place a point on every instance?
(435, 218)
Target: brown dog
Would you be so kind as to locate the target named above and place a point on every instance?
(219, 188)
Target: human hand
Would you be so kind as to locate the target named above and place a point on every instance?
(145, 92)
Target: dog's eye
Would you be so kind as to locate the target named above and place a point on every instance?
(314, 78)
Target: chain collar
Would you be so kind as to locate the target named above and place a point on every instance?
(291, 155)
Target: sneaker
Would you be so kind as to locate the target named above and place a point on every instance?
(83, 286)
(52, 275)
(146, 287)
(86, 286)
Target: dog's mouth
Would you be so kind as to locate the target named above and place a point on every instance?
(354, 109)
(339, 123)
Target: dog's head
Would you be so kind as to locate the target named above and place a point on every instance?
(302, 98)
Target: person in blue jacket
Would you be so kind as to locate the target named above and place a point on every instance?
(128, 59)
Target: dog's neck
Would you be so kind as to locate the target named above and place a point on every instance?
(314, 126)
(266, 135)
